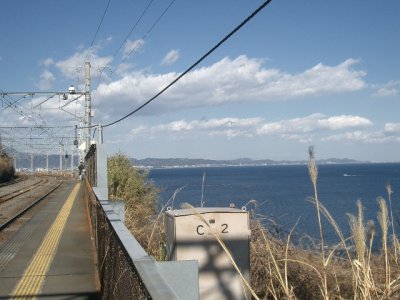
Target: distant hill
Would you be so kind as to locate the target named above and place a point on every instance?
(190, 162)
(23, 161)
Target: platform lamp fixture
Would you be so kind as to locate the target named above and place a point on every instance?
(71, 90)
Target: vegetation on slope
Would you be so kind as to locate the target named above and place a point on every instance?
(140, 196)
(7, 171)
(280, 270)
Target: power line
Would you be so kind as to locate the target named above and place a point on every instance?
(125, 40)
(133, 28)
(29, 116)
(261, 7)
(136, 46)
(145, 35)
(36, 127)
(98, 28)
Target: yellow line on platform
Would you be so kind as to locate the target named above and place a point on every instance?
(32, 281)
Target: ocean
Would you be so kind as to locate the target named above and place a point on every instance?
(282, 193)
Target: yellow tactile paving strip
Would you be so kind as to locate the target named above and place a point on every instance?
(32, 280)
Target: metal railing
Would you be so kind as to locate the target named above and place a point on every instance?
(91, 166)
(126, 271)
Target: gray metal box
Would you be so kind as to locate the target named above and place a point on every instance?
(189, 238)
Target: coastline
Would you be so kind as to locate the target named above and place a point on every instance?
(160, 164)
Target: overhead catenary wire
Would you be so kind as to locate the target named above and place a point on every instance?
(237, 28)
(126, 38)
(36, 127)
(95, 35)
(133, 27)
(145, 35)
(143, 38)
(21, 135)
(98, 29)
(29, 116)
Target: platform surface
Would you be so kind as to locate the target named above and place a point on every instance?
(52, 256)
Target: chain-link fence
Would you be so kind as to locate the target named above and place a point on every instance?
(118, 276)
(125, 269)
(91, 166)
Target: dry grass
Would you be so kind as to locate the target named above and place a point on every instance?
(7, 171)
(280, 270)
(246, 284)
(313, 171)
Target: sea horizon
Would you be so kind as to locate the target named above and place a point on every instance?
(224, 163)
(283, 192)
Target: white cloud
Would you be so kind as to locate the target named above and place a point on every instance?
(296, 125)
(132, 46)
(175, 126)
(46, 80)
(313, 122)
(392, 127)
(343, 122)
(228, 127)
(171, 57)
(303, 130)
(72, 65)
(387, 92)
(241, 80)
(231, 133)
(318, 80)
(363, 136)
(105, 42)
(212, 124)
(389, 89)
(48, 62)
(390, 133)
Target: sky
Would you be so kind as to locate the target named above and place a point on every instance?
(300, 73)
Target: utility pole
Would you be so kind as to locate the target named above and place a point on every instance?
(72, 158)
(88, 106)
(47, 161)
(100, 134)
(61, 166)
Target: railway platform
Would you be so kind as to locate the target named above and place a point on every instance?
(52, 256)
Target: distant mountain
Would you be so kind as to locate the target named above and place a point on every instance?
(23, 161)
(190, 162)
(340, 161)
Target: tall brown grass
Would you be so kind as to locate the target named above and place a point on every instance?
(279, 269)
(283, 271)
(246, 284)
(313, 172)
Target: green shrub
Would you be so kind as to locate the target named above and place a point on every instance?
(132, 186)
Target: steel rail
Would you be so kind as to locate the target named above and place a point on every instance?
(11, 195)
(8, 183)
(12, 219)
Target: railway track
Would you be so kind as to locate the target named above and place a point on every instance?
(13, 194)
(16, 180)
(18, 202)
